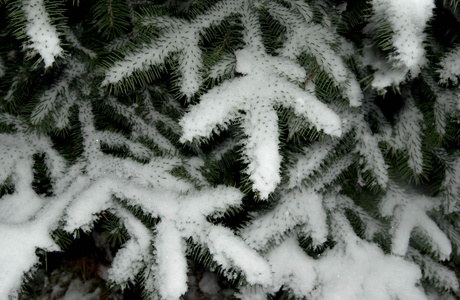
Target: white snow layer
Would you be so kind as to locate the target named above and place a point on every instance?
(295, 209)
(292, 268)
(435, 271)
(409, 212)
(386, 75)
(408, 20)
(353, 269)
(264, 86)
(171, 273)
(181, 209)
(17, 254)
(356, 269)
(310, 161)
(129, 260)
(44, 37)
(21, 240)
(450, 66)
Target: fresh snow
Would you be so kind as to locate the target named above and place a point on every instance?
(43, 36)
(450, 64)
(292, 268)
(256, 94)
(410, 212)
(296, 210)
(353, 269)
(307, 201)
(171, 273)
(451, 185)
(408, 131)
(356, 269)
(408, 20)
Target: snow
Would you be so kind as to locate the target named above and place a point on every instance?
(450, 66)
(71, 38)
(435, 271)
(445, 104)
(371, 155)
(228, 249)
(292, 268)
(44, 37)
(20, 241)
(78, 290)
(408, 20)
(310, 161)
(261, 148)
(352, 269)
(23, 203)
(407, 133)
(208, 283)
(356, 269)
(251, 293)
(140, 127)
(171, 274)
(386, 75)
(182, 211)
(82, 212)
(256, 94)
(17, 254)
(295, 208)
(409, 212)
(59, 96)
(306, 200)
(129, 260)
(316, 41)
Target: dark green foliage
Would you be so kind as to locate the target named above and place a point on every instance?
(112, 17)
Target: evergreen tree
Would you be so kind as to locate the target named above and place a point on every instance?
(309, 147)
